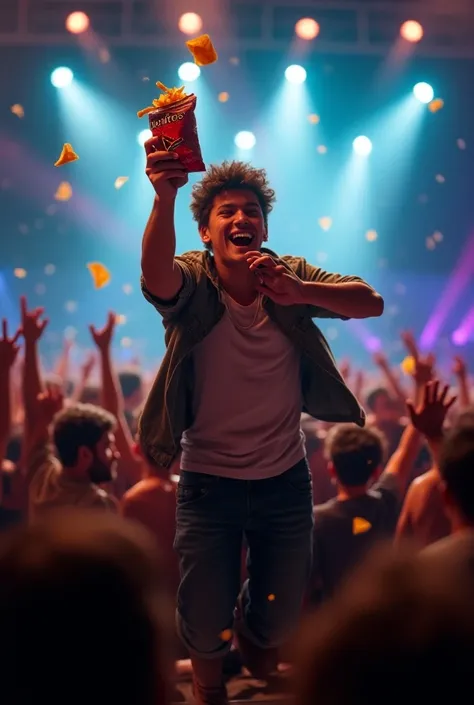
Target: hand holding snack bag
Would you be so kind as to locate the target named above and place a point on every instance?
(173, 122)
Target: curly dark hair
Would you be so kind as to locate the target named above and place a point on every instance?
(355, 453)
(79, 425)
(230, 175)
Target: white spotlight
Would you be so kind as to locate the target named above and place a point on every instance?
(295, 74)
(362, 146)
(189, 72)
(245, 140)
(62, 77)
(423, 92)
(143, 136)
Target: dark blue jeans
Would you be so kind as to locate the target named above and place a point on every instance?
(214, 515)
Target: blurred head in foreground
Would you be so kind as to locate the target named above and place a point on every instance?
(402, 631)
(83, 616)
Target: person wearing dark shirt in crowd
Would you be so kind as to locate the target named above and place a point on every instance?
(84, 615)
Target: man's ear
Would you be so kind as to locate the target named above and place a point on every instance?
(204, 233)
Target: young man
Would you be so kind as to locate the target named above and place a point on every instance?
(243, 357)
(362, 513)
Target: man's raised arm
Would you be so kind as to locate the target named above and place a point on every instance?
(163, 277)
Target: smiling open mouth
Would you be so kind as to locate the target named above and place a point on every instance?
(241, 239)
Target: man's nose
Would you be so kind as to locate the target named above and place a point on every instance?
(241, 218)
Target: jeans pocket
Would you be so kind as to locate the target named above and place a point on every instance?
(194, 486)
(298, 478)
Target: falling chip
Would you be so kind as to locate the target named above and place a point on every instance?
(99, 273)
(271, 597)
(120, 319)
(70, 306)
(120, 181)
(223, 97)
(461, 143)
(322, 149)
(371, 235)
(18, 110)
(430, 243)
(226, 635)
(436, 105)
(126, 342)
(19, 273)
(440, 178)
(437, 236)
(325, 222)
(23, 228)
(314, 119)
(408, 365)
(49, 269)
(64, 191)
(40, 289)
(127, 288)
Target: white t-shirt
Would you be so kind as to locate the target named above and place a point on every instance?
(247, 398)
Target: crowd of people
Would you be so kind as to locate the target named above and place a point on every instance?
(93, 552)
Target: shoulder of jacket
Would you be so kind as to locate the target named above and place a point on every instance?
(194, 258)
(297, 264)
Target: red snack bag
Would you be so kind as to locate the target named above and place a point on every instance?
(175, 124)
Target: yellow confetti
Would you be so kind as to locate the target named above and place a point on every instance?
(314, 119)
(120, 319)
(371, 235)
(202, 49)
(223, 97)
(18, 110)
(360, 526)
(322, 149)
(120, 181)
(271, 597)
(226, 635)
(19, 273)
(67, 155)
(100, 274)
(408, 365)
(63, 192)
(325, 222)
(435, 105)
(440, 178)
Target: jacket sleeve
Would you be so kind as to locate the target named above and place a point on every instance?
(172, 307)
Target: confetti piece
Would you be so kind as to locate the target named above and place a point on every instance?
(63, 192)
(120, 181)
(18, 110)
(19, 273)
(407, 365)
(437, 236)
(436, 105)
(430, 243)
(371, 235)
(202, 49)
(40, 289)
(461, 143)
(271, 597)
(325, 222)
(49, 269)
(120, 319)
(226, 635)
(360, 526)
(67, 155)
(127, 288)
(100, 274)
(440, 178)
(70, 306)
(126, 342)
(223, 97)
(234, 60)
(314, 119)
(322, 149)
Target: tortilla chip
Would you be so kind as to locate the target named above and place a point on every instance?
(67, 155)
(100, 274)
(202, 49)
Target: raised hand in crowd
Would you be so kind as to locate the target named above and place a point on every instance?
(32, 327)
(428, 416)
(8, 354)
(49, 403)
(103, 337)
(461, 373)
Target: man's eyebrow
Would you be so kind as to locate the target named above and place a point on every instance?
(229, 204)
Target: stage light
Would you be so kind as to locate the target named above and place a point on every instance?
(362, 146)
(423, 92)
(62, 77)
(295, 74)
(307, 28)
(189, 72)
(190, 23)
(143, 136)
(77, 22)
(245, 140)
(412, 31)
